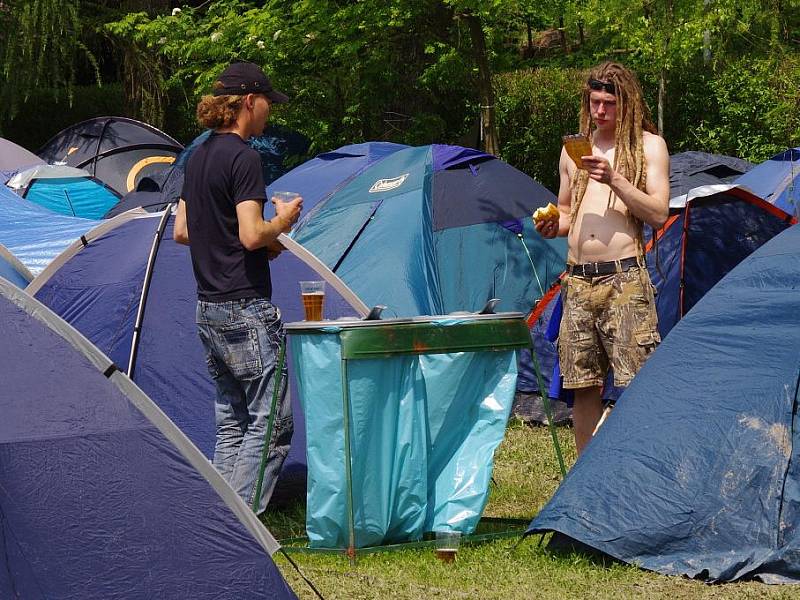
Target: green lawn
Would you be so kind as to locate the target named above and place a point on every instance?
(526, 472)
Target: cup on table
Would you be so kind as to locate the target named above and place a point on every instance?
(313, 294)
(284, 196)
(447, 545)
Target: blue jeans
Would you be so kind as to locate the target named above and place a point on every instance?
(242, 339)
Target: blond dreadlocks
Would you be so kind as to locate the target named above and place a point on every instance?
(633, 118)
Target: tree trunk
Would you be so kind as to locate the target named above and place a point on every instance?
(581, 34)
(562, 34)
(491, 143)
(530, 37)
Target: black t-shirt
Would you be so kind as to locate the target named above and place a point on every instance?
(220, 173)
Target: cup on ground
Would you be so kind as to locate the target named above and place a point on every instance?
(447, 543)
(313, 294)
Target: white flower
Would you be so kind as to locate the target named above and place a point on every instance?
(311, 36)
(176, 12)
(216, 35)
(276, 35)
(162, 40)
(260, 44)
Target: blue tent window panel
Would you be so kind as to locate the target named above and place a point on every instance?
(76, 197)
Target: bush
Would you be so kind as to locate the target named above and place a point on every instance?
(42, 117)
(535, 108)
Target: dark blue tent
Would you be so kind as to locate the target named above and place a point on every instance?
(777, 181)
(117, 150)
(713, 496)
(101, 496)
(102, 287)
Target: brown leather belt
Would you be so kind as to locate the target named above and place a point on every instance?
(604, 268)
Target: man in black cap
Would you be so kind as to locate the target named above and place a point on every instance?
(221, 211)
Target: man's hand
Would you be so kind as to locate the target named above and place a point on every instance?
(548, 228)
(288, 212)
(599, 168)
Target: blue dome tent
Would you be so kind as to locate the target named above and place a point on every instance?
(130, 289)
(713, 496)
(101, 496)
(428, 230)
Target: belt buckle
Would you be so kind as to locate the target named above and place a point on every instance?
(596, 268)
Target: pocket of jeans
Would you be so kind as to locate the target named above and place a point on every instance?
(242, 352)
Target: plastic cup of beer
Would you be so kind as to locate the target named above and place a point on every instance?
(313, 293)
(447, 545)
(284, 196)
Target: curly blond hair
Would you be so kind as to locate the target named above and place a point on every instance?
(214, 112)
(633, 118)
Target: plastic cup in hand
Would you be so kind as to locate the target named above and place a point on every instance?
(284, 196)
(313, 293)
(447, 545)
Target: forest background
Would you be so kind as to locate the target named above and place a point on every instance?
(720, 76)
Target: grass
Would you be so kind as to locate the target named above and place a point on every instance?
(526, 472)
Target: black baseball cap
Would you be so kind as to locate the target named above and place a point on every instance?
(241, 78)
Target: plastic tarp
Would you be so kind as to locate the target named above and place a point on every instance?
(98, 291)
(696, 472)
(101, 496)
(34, 234)
(423, 433)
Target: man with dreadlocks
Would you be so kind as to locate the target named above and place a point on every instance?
(609, 311)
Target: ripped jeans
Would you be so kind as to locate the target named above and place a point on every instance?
(242, 339)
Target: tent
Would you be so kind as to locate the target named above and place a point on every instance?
(131, 291)
(64, 190)
(12, 270)
(427, 230)
(777, 181)
(117, 150)
(714, 496)
(101, 496)
(36, 235)
(14, 157)
(689, 170)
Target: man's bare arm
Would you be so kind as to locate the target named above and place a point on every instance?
(180, 231)
(651, 205)
(255, 232)
(551, 229)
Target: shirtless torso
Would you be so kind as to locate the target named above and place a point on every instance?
(603, 230)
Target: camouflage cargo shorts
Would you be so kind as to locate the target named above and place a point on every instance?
(609, 321)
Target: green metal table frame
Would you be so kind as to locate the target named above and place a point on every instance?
(379, 341)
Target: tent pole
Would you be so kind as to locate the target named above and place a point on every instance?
(547, 411)
(276, 390)
(148, 276)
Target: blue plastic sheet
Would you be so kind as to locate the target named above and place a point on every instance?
(423, 432)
